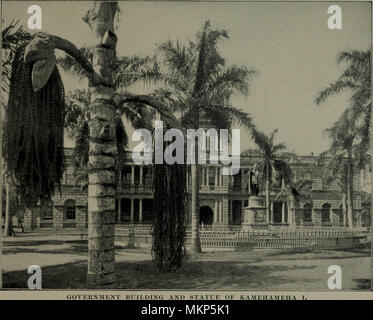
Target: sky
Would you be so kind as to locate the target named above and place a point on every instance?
(288, 43)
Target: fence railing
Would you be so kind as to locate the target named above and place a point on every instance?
(306, 237)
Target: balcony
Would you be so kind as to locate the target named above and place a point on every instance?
(135, 188)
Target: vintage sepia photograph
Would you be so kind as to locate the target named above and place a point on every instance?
(186, 146)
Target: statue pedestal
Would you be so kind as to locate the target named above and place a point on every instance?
(254, 215)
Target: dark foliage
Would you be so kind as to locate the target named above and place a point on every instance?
(33, 139)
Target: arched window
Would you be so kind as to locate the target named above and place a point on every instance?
(307, 213)
(325, 212)
(69, 208)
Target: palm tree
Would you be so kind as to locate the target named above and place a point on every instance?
(356, 77)
(12, 38)
(76, 124)
(199, 81)
(344, 154)
(269, 151)
(101, 125)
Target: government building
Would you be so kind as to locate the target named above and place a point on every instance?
(222, 198)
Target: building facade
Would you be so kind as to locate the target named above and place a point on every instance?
(222, 198)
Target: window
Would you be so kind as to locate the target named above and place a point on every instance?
(69, 209)
(68, 176)
(307, 213)
(211, 176)
(325, 212)
(47, 211)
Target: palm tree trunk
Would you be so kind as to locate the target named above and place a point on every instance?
(268, 195)
(7, 213)
(350, 179)
(102, 150)
(195, 174)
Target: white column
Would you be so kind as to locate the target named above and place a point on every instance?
(140, 210)
(216, 215)
(132, 210)
(132, 175)
(272, 213)
(291, 209)
(141, 175)
(119, 210)
(221, 211)
(283, 212)
(216, 176)
(220, 176)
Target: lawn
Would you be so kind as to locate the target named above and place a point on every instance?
(64, 266)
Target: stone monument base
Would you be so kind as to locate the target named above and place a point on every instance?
(254, 215)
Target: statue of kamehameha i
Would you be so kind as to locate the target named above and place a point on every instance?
(254, 181)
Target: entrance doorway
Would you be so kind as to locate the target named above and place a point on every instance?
(206, 215)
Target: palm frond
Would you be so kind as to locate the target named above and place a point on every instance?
(70, 64)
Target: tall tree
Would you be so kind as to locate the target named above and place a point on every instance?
(35, 78)
(356, 77)
(200, 84)
(345, 154)
(269, 152)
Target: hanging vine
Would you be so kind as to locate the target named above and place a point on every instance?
(33, 135)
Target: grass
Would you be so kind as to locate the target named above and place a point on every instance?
(65, 267)
(143, 275)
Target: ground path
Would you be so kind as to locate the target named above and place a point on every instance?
(63, 260)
